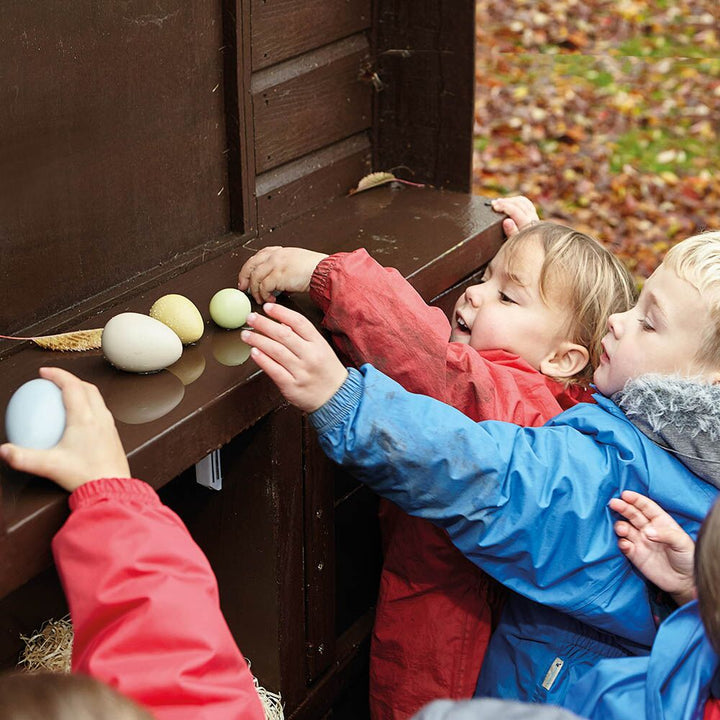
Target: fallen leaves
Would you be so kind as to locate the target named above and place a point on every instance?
(604, 113)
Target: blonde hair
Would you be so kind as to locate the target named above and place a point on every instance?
(707, 574)
(59, 696)
(592, 282)
(697, 261)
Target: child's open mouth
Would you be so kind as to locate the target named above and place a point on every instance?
(461, 324)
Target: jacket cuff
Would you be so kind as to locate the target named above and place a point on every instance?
(320, 280)
(129, 489)
(340, 405)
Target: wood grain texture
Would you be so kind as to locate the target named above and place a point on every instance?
(240, 157)
(252, 534)
(113, 139)
(424, 54)
(320, 566)
(285, 28)
(309, 103)
(288, 191)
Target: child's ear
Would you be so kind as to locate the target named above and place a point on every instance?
(567, 360)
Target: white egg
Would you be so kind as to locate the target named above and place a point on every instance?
(139, 343)
(35, 415)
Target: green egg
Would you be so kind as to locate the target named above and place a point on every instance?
(229, 308)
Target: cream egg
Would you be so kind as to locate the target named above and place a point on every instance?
(35, 415)
(180, 315)
(138, 343)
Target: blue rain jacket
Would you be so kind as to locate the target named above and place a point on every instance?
(672, 683)
(527, 505)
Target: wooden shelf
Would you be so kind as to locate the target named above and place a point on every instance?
(435, 238)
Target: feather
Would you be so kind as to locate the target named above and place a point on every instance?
(75, 341)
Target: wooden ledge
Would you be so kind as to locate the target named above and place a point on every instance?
(170, 420)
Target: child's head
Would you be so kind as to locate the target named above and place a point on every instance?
(546, 297)
(707, 574)
(56, 696)
(675, 326)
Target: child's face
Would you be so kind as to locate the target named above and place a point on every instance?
(506, 312)
(661, 334)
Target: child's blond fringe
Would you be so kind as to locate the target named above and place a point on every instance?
(50, 650)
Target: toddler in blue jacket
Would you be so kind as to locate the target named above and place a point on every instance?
(530, 505)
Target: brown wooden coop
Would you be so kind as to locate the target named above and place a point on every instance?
(152, 147)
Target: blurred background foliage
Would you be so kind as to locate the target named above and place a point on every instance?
(606, 114)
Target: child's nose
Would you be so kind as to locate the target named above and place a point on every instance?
(474, 295)
(615, 324)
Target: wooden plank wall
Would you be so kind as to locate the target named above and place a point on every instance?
(112, 144)
(425, 51)
(311, 107)
(137, 142)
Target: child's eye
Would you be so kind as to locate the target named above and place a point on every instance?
(645, 325)
(506, 298)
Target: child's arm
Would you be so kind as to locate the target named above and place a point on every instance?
(658, 547)
(89, 448)
(515, 501)
(376, 316)
(278, 269)
(142, 596)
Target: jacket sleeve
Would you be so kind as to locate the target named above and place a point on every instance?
(144, 605)
(511, 498)
(375, 316)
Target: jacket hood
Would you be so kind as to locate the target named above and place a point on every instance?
(487, 708)
(681, 415)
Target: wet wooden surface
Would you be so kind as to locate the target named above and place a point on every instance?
(170, 420)
(274, 532)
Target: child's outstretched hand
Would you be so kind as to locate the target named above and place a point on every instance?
(658, 547)
(520, 212)
(90, 447)
(278, 269)
(295, 356)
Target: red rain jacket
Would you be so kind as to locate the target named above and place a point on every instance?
(144, 606)
(435, 608)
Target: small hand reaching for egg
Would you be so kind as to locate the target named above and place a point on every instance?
(90, 447)
(295, 355)
(278, 269)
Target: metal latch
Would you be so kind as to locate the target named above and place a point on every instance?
(208, 472)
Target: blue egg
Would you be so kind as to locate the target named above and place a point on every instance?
(35, 415)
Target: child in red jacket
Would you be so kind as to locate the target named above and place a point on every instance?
(520, 346)
(142, 596)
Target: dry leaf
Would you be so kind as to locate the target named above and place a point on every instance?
(75, 341)
(380, 178)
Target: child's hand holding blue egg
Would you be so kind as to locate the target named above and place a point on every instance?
(35, 415)
(60, 428)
